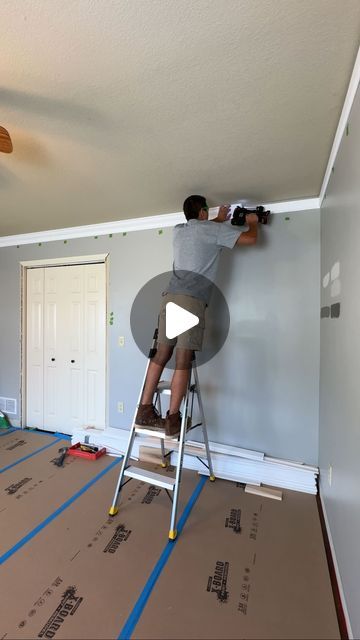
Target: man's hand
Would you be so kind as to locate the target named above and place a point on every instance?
(250, 236)
(223, 213)
(251, 218)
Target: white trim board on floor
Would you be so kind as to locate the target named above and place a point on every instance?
(239, 465)
(336, 566)
(139, 224)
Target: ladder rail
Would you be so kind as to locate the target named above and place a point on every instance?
(163, 453)
(114, 508)
(203, 423)
(173, 532)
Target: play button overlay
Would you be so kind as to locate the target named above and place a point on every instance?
(178, 320)
(150, 299)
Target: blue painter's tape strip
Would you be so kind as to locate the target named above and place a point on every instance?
(133, 619)
(34, 453)
(64, 436)
(21, 543)
(41, 432)
(57, 434)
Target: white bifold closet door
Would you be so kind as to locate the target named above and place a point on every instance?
(66, 347)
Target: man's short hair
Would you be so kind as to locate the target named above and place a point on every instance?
(192, 206)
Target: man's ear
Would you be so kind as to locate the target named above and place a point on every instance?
(202, 215)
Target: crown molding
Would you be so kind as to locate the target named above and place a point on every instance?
(344, 118)
(138, 224)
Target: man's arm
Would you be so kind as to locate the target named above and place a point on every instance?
(249, 237)
(223, 214)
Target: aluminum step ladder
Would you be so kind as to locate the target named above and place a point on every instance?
(170, 484)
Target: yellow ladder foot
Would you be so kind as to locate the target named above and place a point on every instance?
(113, 511)
(212, 478)
(172, 534)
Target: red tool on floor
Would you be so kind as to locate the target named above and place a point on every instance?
(84, 450)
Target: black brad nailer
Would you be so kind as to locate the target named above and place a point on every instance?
(240, 213)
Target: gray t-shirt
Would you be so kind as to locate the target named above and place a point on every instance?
(197, 245)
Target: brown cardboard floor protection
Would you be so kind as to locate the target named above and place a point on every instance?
(17, 444)
(243, 566)
(35, 488)
(248, 567)
(80, 576)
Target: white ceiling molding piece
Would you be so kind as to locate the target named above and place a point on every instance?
(138, 224)
(344, 118)
(88, 230)
(291, 206)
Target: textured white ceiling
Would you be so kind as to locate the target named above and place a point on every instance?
(122, 108)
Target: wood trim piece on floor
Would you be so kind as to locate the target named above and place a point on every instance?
(342, 621)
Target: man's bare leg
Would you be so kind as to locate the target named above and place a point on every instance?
(147, 415)
(156, 367)
(179, 385)
(180, 379)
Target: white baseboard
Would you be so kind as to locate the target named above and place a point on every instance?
(239, 465)
(336, 566)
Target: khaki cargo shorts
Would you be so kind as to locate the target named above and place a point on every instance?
(191, 339)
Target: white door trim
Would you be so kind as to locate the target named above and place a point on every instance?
(53, 262)
(61, 262)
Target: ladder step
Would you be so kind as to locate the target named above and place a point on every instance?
(154, 433)
(152, 478)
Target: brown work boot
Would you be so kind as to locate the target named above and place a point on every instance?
(172, 424)
(148, 416)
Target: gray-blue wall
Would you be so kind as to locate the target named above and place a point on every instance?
(261, 390)
(340, 365)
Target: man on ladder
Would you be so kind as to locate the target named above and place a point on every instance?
(197, 245)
